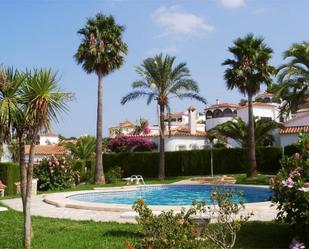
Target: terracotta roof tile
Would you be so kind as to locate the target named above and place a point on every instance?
(222, 105)
(295, 129)
(47, 150)
(181, 132)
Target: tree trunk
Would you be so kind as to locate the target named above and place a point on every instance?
(251, 143)
(99, 176)
(162, 150)
(22, 168)
(27, 214)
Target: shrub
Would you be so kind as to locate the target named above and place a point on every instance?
(128, 143)
(291, 189)
(187, 229)
(9, 174)
(55, 173)
(114, 174)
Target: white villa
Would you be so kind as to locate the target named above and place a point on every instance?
(299, 123)
(188, 130)
(47, 147)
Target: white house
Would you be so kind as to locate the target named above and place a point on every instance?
(47, 147)
(260, 110)
(299, 123)
(126, 127)
(186, 133)
(220, 113)
(49, 138)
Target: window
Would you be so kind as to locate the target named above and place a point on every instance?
(218, 113)
(228, 113)
(208, 114)
(194, 147)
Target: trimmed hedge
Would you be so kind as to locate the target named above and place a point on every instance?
(195, 162)
(184, 163)
(9, 174)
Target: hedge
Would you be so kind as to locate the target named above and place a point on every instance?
(182, 163)
(9, 174)
(195, 162)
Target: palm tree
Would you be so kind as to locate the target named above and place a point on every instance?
(247, 71)
(140, 127)
(28, 102)
(293, 77)
(237, 130)
(83, 148)
(101, 52)
(161, 80)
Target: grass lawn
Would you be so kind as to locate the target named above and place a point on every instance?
(52, 233)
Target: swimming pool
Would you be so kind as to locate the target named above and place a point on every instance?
(172, 195)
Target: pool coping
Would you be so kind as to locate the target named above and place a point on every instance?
(62, 200)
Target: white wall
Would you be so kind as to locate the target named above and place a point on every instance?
(49, 140)
(174, 143)
(260, 111)
(213, 122)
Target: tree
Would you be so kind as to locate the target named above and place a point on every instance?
(293, 77)
(237, 130)
(161, 80)
(101, 51)
(141, 127)
(83, 148)
(33, 100)
(247, 71)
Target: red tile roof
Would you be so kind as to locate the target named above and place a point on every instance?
(222, 105)
(295, 129)
(47, 150)
(179, 132)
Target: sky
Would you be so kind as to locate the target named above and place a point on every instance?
(43, 33)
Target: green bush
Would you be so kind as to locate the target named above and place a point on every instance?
(9, 174)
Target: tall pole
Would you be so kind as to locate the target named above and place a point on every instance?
(211, 161)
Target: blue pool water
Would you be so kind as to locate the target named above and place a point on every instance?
(173, 194)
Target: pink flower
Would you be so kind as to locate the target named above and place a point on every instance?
(296, 245)
(297, 156)
(288, 183)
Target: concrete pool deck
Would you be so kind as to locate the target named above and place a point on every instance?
(57, 205)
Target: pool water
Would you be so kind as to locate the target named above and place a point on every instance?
(173, 194)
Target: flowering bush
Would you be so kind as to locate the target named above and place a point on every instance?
(55, 173)
(114, 174)
(291, 189)
(128, 143)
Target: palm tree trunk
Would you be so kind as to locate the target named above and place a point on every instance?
(99, 176)
(162, 149)
(251, 143)
(22, 168)
(27, 215)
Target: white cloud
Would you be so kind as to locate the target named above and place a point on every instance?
(164, 50)
(232, 3)
(176, 22)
